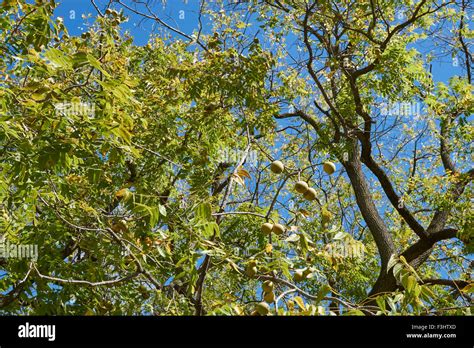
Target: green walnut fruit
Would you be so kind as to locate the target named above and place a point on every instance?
(301, 187)
(329, 167)
(277, 167)
(269, 297)
(278, 229)
(267, 228)
(298, 276)
(310, 194)
(262, 308)
(251, 272)
(252, 263)
(267, 286)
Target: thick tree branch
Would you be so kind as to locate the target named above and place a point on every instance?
(454, 283)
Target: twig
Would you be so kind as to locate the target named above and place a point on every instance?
(85, 282)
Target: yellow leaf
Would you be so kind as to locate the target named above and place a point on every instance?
(268, 248)
(238, 310)
(243, 173)
(234, 266)
(304, 212)
(238, 180)
(123, 194)
(402, 258)
(37, 96)
(89, 312)
(300, 302)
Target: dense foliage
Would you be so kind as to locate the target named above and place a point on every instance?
(143, 175)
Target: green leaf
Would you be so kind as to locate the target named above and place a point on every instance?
(203, 212)
(79, 59)
(211, 229)
(58, 58)
(162, 209)
(391, 262)
(123, 133)
(299, 301)
(322, 292)
(292, 238)
(427, 294)
(381, 303)
(356, 312)
(96, 64)
(397, 269)
(410, 283)
(303, 244)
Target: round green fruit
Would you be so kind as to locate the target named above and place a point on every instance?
(310, 194)
(298, 276)
(277, 167)
(329, 167)
(301, 187)
(267, 228)
(252, 263)
(262, 308)
(267, 286)
(278, 229)
(269, 297)
(251, 272)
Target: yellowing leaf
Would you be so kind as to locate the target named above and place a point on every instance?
(293, 238)
(354, 312)
(238, 310)
(243, 173)
(37, 96)
(268, 248)
(411, 283)
(233, 265)
(304, 212)
(238, 180)
(123, 193)
(300, 302)
(468, 288)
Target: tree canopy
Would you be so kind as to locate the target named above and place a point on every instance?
(147, 174)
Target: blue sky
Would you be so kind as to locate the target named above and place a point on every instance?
(181, 14)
